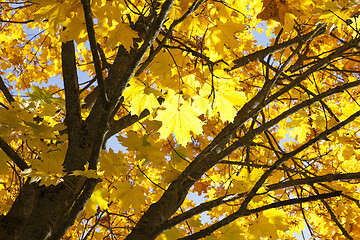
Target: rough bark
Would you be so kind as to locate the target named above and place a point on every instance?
(41, 212)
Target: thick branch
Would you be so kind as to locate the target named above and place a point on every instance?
(263, 53)
(248, 137)
(148, 41)
(69, 218)
(175, 194)
(303, 88)
(318, 65)
(207, 206)
(124, 122)
(294, 201)
(73, 111)
(280, 161)
(13, 155)
(5, 91)
(206, 159)
(207, 231)
(215, 158)
(312, 180)
(116, 126)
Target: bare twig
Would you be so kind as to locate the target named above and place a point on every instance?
(93, 46)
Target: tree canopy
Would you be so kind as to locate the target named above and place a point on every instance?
(223, 137)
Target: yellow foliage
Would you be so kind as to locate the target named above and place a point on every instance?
(126, 195)
(180, 120)
(189, 109)
(141, 97)
(268, 224)
(244, 181)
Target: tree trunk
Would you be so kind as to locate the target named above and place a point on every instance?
(41, 212)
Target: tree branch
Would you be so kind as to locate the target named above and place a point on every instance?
(207, 206)
(148, 41)
(250, 135)
(73, 110)
(303, 88)
(313, 180)
(318, 65)
(16, 22)
(5, 91)
(72, 102)
(263, 53)
(13, 155)
(176, 192)
(333, 217)
(93, 46)
(232, 217)
(289, 155)
(192, 8)
(206, 159)
(70, 216)
(116, 126)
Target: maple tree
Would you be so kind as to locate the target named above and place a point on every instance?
(266, 136)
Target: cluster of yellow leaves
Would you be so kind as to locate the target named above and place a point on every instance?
(269, 224)
(141, 96)
(180, 119)
(69, 14)
(288, 12)
(245, 180)
(20, 120)
(198, 98)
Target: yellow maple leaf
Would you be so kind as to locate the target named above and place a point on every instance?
(234, 230)
(180, 121)
(48, 172)
(289, 21)
(75, 29)
(299, 127)
(127, 195)
(224, 100)
(349, 109)
(268, 223)
(245, 180)
(89, 173)
(112, 163)
(4, 168)
(54, 11)
(145, 147)
(173, 233)
(141, 97)
(97, 199)
(170, 174)
(300, 132)
(224, 34)
(319, 121)
(122, 33)
(48, 167)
